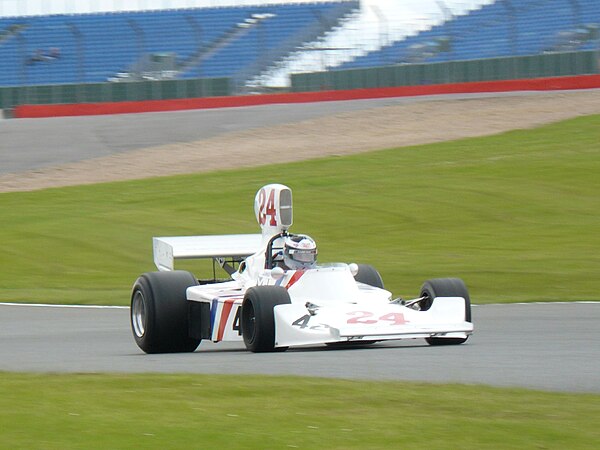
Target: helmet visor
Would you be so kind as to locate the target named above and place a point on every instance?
(303, 256)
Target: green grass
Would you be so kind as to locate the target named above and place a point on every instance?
(214, 412)
(515, 215)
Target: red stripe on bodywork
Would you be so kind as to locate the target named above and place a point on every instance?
(295, 277)
(224, 316)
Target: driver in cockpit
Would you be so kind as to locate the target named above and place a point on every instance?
(299, 252)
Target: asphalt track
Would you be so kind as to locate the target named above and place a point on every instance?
(551, 346)
(30, 144)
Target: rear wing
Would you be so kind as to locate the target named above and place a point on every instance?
(168, 249)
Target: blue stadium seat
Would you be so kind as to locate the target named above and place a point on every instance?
(96, 47)
(493, 31)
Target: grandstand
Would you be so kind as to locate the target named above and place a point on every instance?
(217, 51)
(500, 29)
(234, 42)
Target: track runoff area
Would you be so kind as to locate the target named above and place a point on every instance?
(545, 345)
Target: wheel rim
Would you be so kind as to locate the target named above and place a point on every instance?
(138, 314)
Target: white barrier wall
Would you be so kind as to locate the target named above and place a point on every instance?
(391, 9)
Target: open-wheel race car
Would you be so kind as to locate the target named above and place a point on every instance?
(276, 295)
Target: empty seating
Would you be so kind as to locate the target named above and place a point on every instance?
(236, 42)
(515, 28)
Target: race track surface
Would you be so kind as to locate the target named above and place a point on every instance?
(29, 144)
(552, 347)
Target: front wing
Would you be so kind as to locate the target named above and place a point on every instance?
(296, 325)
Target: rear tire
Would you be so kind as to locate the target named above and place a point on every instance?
(159, 312)
(258, 318)
(368, 275)
(445, 287)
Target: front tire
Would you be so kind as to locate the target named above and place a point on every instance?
(368, 275)
(445, 287)
(159, 312)
(258, 318)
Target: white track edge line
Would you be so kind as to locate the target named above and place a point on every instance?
(44, 305)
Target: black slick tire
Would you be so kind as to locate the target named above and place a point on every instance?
(159, 312)
(258, 319)
(445, 287)
(368, 275)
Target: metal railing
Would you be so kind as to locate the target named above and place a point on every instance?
(113, 92)
(491, 69)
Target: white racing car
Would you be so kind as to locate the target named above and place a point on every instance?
(276, 295)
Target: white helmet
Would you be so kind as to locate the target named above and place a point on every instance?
(299, 252)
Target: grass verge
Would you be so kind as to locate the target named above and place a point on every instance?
(194, 411)
(515, 215)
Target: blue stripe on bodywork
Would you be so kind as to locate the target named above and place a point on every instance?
(213, 314)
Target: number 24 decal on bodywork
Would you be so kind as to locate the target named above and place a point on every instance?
(358, 317)
(368, 318)
(267, 207)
